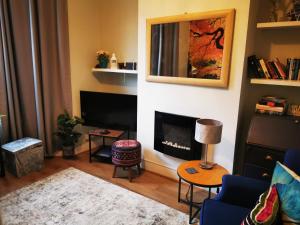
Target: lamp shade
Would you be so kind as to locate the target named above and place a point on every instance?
(208, 131)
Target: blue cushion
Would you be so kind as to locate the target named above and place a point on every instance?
(215, 212)
(288, 186)
(290, 200)
(283, 175)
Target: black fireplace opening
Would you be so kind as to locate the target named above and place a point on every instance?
(174, 136)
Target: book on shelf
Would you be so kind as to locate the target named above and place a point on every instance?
(289, 69)
(252, 68)
(271, 105)
(269, 112)
(269, 108)
(296, 70)
(276, 70)
(264, 68)
(280, 68)
(273, 69)
(255, 68)
(276, 100)
(293, 68)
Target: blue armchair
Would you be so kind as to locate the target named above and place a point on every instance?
(239, 195)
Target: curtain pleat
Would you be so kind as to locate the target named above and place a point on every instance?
(52, 27)
(18, 99)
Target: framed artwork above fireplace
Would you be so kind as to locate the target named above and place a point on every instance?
(192, 49)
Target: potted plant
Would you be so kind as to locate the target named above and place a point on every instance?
(103, 59)
(67, 135)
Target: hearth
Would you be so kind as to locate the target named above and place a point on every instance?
(174, 136)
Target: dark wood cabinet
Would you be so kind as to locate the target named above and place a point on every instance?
(268, 139)
(260, 162)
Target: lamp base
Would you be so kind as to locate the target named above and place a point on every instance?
(207, 165)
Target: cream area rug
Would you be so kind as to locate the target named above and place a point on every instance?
(73, 197)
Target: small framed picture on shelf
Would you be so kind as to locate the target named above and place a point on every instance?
(294, 110)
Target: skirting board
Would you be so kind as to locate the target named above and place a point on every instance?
(160, 169)
(82, 147)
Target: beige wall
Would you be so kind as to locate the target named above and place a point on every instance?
(107, 25)
(202, 102)
(119, 28)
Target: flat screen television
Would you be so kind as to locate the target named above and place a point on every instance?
(107, 110)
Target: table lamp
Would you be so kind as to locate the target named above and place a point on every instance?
(208, 131)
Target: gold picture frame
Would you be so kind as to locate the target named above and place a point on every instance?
(199, 44)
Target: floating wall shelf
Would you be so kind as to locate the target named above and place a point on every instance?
(292, 83)
(106, 70)
(278, 25)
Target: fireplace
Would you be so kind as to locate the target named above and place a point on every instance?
(174, 136)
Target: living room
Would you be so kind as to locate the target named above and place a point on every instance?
(68, 71)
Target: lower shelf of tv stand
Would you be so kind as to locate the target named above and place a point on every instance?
(291, 83)
(102, 152)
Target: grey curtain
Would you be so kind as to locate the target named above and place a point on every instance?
(34, 67)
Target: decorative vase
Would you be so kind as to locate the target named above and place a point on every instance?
(113, 62)
(103, 63)
(68, 152)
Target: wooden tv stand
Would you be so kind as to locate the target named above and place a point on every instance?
(104, 151)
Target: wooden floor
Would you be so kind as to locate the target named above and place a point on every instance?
(151, 185)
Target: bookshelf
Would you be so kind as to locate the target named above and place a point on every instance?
(291, 83)
(107, 70)
(268, 40)
(278, 25)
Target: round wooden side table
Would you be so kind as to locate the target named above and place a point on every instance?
(211, 178)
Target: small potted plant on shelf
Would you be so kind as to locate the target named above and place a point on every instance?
(103, 59)
(67, 135)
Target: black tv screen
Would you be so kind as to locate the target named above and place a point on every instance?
(107, 110)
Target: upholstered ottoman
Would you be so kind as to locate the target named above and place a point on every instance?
(24, 156)
(126, 154)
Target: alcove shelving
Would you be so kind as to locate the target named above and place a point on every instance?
(282, 25)
(268, 40)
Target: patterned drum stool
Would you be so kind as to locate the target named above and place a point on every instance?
(125, 154)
